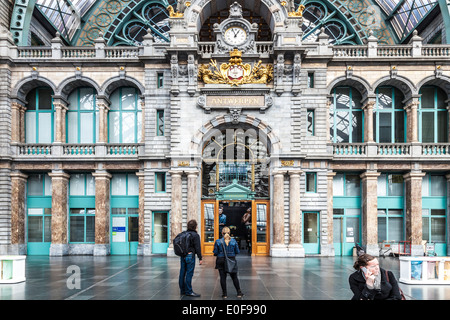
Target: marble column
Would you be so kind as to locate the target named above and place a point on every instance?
(278, 248)
(102, 203)
(60, 120)
(22, 126)
(368, 121)
(329, 238)
(412, 121)
(60, 181)
(370, 212)
(175, 212)
(413, 211)
(192, 196)
(141, 235)
(16, 122)
(295, 248)
(448, 208)
(103, 108)
(18, 214)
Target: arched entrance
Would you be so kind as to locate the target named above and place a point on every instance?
(235, 188)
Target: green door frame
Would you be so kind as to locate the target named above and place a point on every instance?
(127, 203)
(160, 247)
(311, 247)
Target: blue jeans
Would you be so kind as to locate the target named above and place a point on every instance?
(186, 272)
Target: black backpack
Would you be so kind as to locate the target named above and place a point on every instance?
(181, 243)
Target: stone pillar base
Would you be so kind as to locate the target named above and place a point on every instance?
(57, 250)
(279, 250)
(144, 249)
(296, 250)
(171, 253)
(327, 250)
(13, 249)
(417, 250)
(373, 250)
(102, 250)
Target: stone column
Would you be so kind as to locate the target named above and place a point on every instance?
(141, 236)
(368, 121)
(370, 212)
(413, 212)
(22, 126)
(60, 180)
(295, 248)
(411, 121)
(16, 123)
(175, 212)
(329, 239)
(192, 196)
(278, 248)
(18, 214)
(103, 108)
(60, 120)
(102, 204)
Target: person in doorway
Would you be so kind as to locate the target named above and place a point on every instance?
(232, 250)
(247, 221)
(188, 262)
(370, 282)
(222, 220)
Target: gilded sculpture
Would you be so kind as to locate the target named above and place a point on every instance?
(235, 72)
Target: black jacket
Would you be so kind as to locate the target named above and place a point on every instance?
(195, 244)
(389, 290)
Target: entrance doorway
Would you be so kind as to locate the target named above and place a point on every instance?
(247, 220)
(124, 231)
(311, 232)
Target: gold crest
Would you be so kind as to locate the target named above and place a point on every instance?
(235, 72)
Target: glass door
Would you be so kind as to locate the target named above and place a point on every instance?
(260, 226)
(124, 231)
(311, 232)
(160, 234)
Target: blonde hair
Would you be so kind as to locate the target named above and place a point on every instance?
(226, 235)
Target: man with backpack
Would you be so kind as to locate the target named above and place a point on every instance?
(187, 245)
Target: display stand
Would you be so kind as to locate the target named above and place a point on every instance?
(425, 270)
(12, 269)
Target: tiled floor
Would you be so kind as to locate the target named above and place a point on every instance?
(156, 278)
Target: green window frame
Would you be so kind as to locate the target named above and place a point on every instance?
(310, 122)
(434, 208)
(432, 115)
(389, 119)
(311, 182)
(82, 117)
(310, 79)
(160, 123)
(346, 116)
(160, 80)
(39, 208)
(125, 116)
(160, 182)
(39, 116)
(81, 208)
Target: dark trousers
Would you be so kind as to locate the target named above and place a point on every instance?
(187, 266)
(223, 281)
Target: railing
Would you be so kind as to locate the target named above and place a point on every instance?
(435, 149)
(389, 150)
(394, 51)
(350, 51)
(34, 52)
(349, 149)
(34, 150)
(394, 149)
(77, 149)
(77, 52)
(122, 149)
(72, 150)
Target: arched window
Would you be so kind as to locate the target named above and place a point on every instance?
(346, 116)
(39, 118)
(389, 116)
(432, 115)
(124, 117)
(82, 117)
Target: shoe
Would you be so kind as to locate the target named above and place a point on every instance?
(224, 296)
(192, 294)
(240, 294)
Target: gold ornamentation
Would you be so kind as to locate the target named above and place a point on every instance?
(298, 13)
(184, 164)
(235, 72)
(174, 14)
(287, 163)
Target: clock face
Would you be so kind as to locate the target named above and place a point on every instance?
(235, 35)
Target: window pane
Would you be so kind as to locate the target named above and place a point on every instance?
(160, 182)
(73, 101)
(384, 98)
(342, 127)
(45, 99)
(118, 210)
(90, 229)
(310, 182)
(427, 98)
(86, 99)
(395, 229)
(47, 229)
(30, 128)
(338, 185)
(31, 100)
(342, 98)
(35, 229)
(352, 232)
(115, 103)
(352, 185)
(47, 185)
(427, 126)
(45, 127)
(384, 129)
(395, 185)
(128, 127)
(426, 228)
(438, 186)
(35, 185)
(442, 129)
(399, 126)
(90, 185)
(438, 212)
(76, 185)
(72, 127)
(437, 230)
(114, 127)
(128, 98)
(161, 227)
(77, 228)
(261, 223)
(87, 128)
(133, 229)
(426, 185)
(208, 212)
(381, 185)
(133, 185)
(118, 185)
(357, 124)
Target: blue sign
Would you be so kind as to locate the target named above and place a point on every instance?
(118, 229)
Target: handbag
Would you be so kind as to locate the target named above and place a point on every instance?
(401, 291)
(230, 264)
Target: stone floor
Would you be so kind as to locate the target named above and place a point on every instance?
(156, 278)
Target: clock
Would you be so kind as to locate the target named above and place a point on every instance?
(235, 35)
